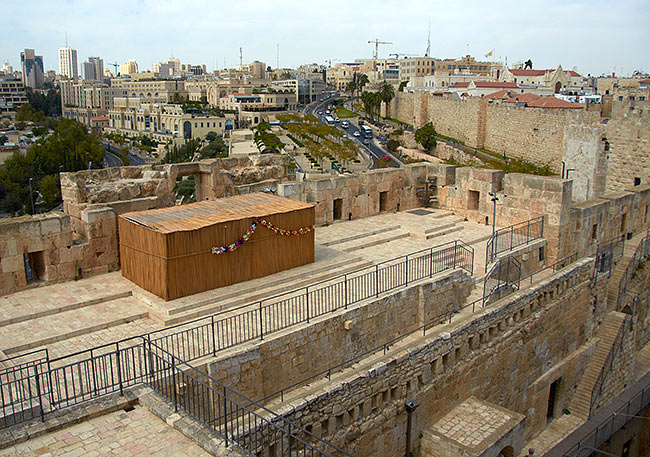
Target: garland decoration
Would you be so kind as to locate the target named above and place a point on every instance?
(279, 231)
(249, 233)
(245, 237)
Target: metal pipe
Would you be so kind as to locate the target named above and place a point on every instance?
(411, 405)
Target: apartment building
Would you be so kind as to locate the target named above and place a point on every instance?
(93, 69)
(411, 67)
(163, 122)
(32, 66)
(68, 63)
(129, 67)
(306, 89)
(251, 110)
(12, 96)
(339, 76)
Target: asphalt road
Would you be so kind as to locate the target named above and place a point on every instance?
(113, 160)
(372, 148)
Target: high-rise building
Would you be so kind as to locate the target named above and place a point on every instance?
(129, 67)
(7, 69)
(93, 69)
(68, 63)
(32, 66)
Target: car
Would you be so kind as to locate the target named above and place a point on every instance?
(337, 120)
(345, 137)
(366, 141)
(327, 112)
(320, 113)
(345, 124)
(356, 133)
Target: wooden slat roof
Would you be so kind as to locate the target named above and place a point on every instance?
(202, 214)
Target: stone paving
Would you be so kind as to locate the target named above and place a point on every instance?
(137, 432)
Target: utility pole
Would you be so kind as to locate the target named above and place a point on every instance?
(31, 192)
(241, 58)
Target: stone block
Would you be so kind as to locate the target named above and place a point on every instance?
(50, 226)
(12, 264)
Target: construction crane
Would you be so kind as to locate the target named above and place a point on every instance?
(114, 65)
(398, 54)
(376, 42)
(329, 62)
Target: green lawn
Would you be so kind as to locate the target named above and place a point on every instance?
(344, 113)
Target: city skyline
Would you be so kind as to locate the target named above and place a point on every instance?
(592, 36)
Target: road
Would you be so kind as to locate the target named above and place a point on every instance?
(372, 148)
(112, 159)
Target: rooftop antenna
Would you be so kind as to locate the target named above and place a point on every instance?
(426, 54)
(241, 58)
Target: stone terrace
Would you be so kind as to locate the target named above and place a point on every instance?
(73, 316)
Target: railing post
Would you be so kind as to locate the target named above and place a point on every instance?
(528, 232)
(151, 370)
(214, 340)
(262, 322)
(512, 230)
(455, 249)
(431, 262)
(289, 438)
(38, 390)
(407, 270)
(225, 415)
(49, 377)
(92, 365)
(119, 367)
(174, 384)
(345, 285)
(307, 298)
(377, 280)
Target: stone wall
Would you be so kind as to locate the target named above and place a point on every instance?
(359, 194)
(604, 155)
(53, 251)
(533, 332)
(302, 353)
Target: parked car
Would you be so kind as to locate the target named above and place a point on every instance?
(356, 133)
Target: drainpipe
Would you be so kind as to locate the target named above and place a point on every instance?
(411, 405)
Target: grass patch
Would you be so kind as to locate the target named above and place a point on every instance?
(344, 113)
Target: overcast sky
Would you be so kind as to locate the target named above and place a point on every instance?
(595, 36)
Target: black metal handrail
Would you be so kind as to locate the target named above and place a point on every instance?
(502, 279)
(640, 254)
(608, 365)
(233, 416)
(108, 368)
(508, 238)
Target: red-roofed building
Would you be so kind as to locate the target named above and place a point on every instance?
(545, 81)
(481, 88)
(533, 100)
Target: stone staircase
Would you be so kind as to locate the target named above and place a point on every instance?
(581, 402)
(212, 302)
(377, 239)
(80, 320)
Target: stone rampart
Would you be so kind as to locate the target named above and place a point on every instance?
(334, 339)
(501, 355)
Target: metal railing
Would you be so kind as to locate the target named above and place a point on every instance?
(502, 279)
(508, 238)
(608, 365)
(50, 384)
(607, 254)
(640, 254)
(555, 266)
(611, 424)
(237, 419)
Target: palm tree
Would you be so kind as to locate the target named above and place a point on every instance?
(387, 93)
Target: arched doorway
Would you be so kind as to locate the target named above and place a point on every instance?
(558, 86)
(507, 451)
(187, 130)
(627, 310)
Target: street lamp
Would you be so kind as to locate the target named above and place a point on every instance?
(494, 200)
(31, 194)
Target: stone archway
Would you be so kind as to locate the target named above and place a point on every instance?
(507, 451)
(187, 130)
(558, 86)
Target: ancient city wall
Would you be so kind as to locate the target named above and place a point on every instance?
(604, 155)
(359, 195)
(628, 138)
(544, 328)
(302, 353)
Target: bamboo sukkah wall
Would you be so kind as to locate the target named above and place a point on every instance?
(168, 251)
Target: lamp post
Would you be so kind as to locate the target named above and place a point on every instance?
(411, 405)
(494, 200)
(31, 194)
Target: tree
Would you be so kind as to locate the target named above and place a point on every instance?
(528, 64)
(351, 86)
(3, 139)
(387, 93)
(211, 136)
(426, 136)
(402, 85)
(392, 145)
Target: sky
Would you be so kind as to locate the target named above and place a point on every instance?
(594, 36)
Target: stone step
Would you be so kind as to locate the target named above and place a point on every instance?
(374, 240)
(581, 401)
(358, 236)
(22, 336)
(445, 231)
(59, 307)
(255, 295)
